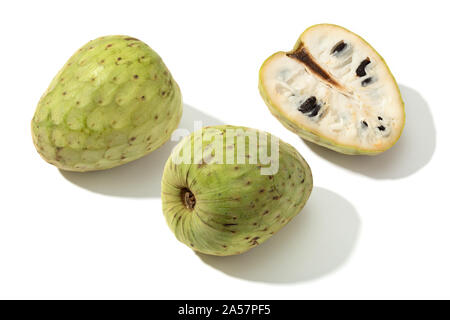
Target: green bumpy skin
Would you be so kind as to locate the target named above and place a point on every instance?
(113, 102)
(236, 208)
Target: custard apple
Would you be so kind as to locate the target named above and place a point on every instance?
(226, 189)
(335, 90)
(114, 101)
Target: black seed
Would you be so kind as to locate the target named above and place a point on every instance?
(315, 111)
(310, 106)
(381, 128)
(361, 70)
(364, 124)
(380, 118)
(366, 82)
(341, 45)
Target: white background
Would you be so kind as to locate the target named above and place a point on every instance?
(373, 228)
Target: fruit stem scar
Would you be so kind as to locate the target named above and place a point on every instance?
(302, 54)
(188, 198)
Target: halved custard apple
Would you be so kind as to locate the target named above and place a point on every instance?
(335, 90)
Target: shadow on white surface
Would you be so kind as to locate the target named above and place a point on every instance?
(412, 152)
(140, 178)
(315, 243)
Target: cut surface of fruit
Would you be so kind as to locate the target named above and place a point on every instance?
(334, 89)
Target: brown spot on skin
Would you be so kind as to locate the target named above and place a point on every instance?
(229, 224)
(276, 198)
(246, 238)
(302, 54)
(130, 38)
(262, 191)
(133, 138)
(265, 229)
(135, 76)
(236, 168)
(266, 212)
(303, 180)
(270, 177)
(224, 246)
(77, 103)
(102, 61)
(143, 98)
(156, 117)
(109, 46)
(119, 58)
(64, 93)
(248, 183)
(192, 245)
(255, 224)
(123, 157)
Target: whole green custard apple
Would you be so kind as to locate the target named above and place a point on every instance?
(113, 102)
(226, 189)
(335, 90)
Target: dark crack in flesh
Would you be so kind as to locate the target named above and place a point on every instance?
(302, 54)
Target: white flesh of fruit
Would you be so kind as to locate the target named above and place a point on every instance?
(358, 105)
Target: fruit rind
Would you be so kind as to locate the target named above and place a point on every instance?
(113, 102)
(236, 208)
